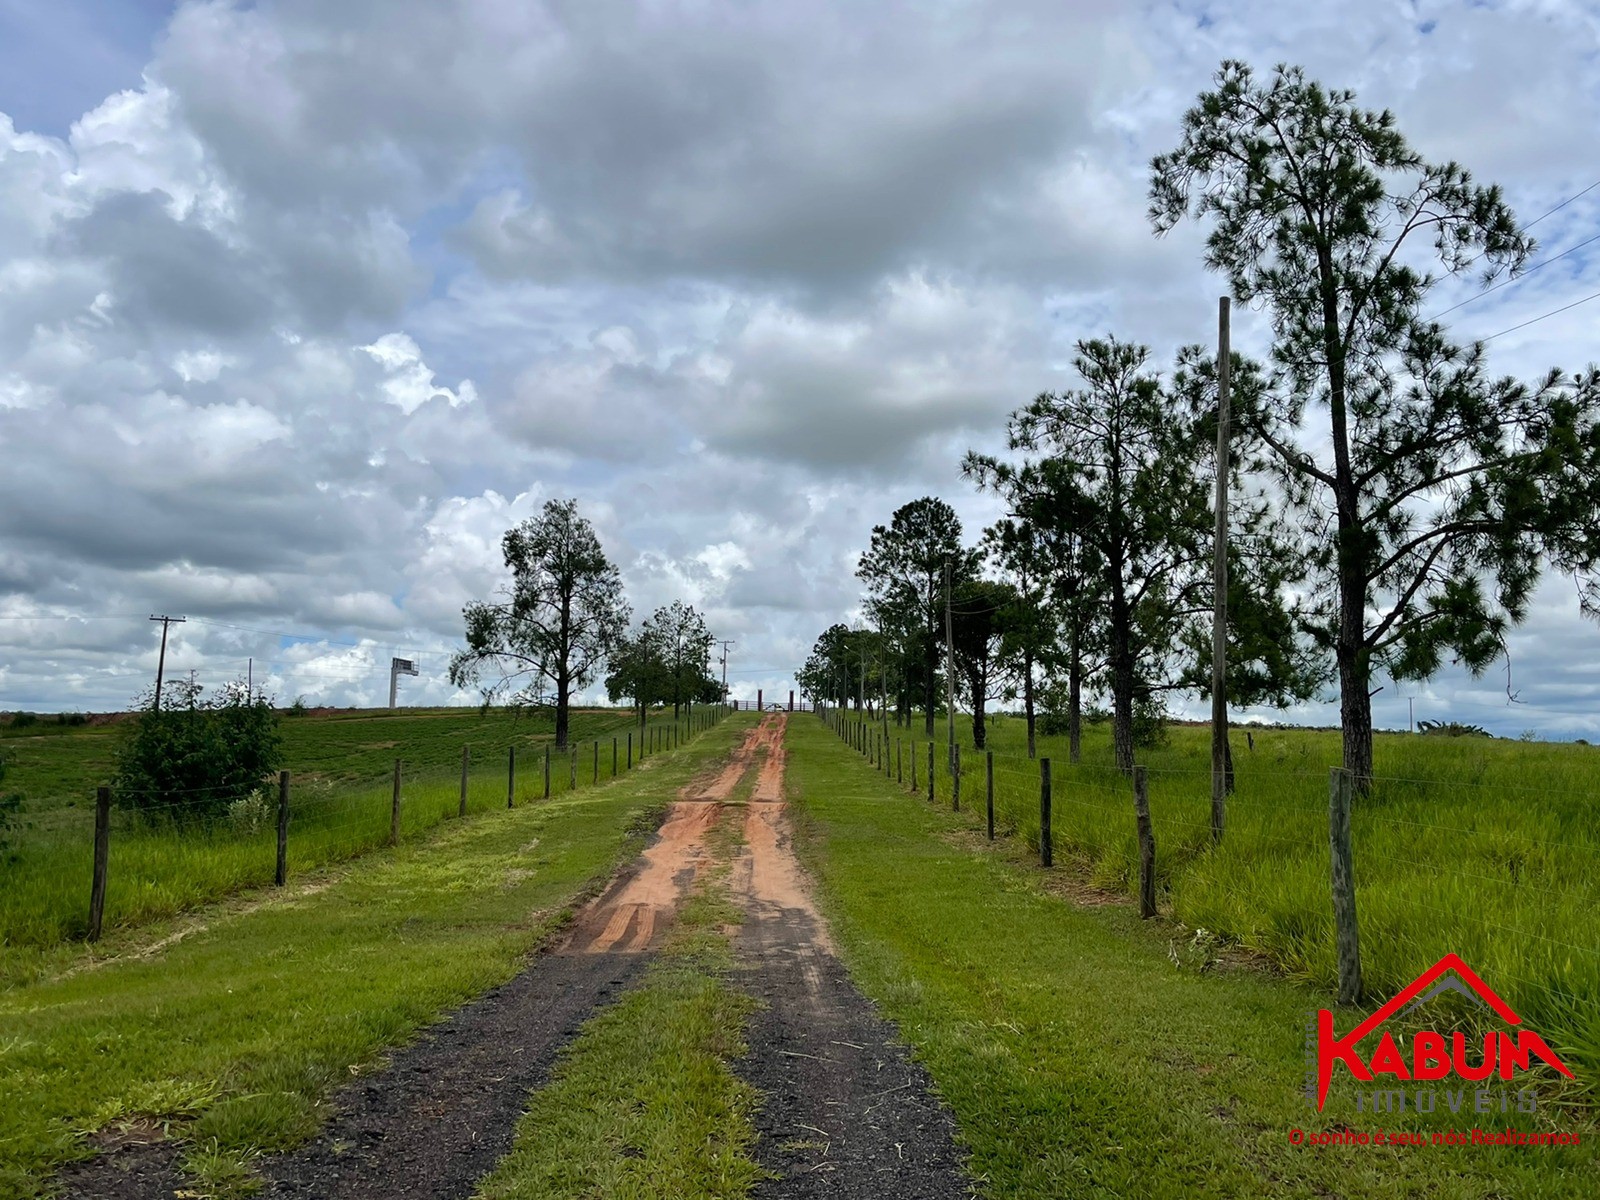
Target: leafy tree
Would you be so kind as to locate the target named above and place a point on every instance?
(825, 676)
(194, 755)
(847, 666)
(1020, 549)
(637, 671)
(982, 611)
(1121, 465)
(904, 573)
(678, 635)
(561, 616)
(1447, 490)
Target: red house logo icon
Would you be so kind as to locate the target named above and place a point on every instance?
(1433, 1056)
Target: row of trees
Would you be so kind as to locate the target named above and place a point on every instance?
(563, 618)
(1393, 503)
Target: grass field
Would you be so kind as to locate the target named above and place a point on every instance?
(1487, 848)
(59, 766)
(235, 1023)
(340, 801)
(1078, 1057)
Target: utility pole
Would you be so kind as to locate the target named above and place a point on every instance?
(161, 663)
(726, 646)
(950, 668)
(1411, 707)
(1219, 584)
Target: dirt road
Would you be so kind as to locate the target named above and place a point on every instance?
(844, 1113)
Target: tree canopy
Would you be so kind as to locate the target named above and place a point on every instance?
(556, 622)
(1448, 488)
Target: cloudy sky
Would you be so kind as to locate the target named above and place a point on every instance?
(302, 304)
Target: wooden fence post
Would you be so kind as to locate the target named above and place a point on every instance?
(930, 772)
(102, 861)
(466, 760)
(1047, 849)
(955, 779)
(613, 758)
(1147, 844)
(913, 766)
(547, 772)
(899, 764)
(572, 769)
(394, 808)
(281, 875)
(511, 776)
(630, 750)
(596, 778)
(1344, 887)
(988, 779)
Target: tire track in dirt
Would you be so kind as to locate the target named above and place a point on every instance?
(844, 1111)
(444, 1109)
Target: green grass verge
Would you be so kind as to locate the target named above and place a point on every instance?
(157, 868)
(237, 1032)
(1078, 1059)
(1486, 848)
(643, 1105)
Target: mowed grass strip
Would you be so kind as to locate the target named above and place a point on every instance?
(643, 1105)
(236, 1034)
(1078, 1059)
(158, 868)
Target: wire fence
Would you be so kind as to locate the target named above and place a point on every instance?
(1501, 873)
(118, 860)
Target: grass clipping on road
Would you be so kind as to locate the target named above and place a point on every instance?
(1077, 1058)
(233, 1034)
(643, 1104)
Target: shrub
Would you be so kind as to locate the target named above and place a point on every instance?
(1452, 729)
(23, 720)
(194, 757)
(71, 718)
(298, 708)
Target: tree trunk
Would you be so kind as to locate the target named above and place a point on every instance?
(563, 697)
(1122, 711)
(979, 733)
(930, 690)
(1027, 700)
(1355, 715)
(1075, 697)
(1121, 679)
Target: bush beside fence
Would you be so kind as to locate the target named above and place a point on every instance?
(159, 863)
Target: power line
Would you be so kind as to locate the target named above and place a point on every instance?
(1560, 206)
(1517, 278)
(1534, 321)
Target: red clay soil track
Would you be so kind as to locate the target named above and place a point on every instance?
(444, 1111)
(844, 1112)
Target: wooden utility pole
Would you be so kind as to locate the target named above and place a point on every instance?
(161, 662)
(1219, 584)
(726, 646)
(950, 668)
